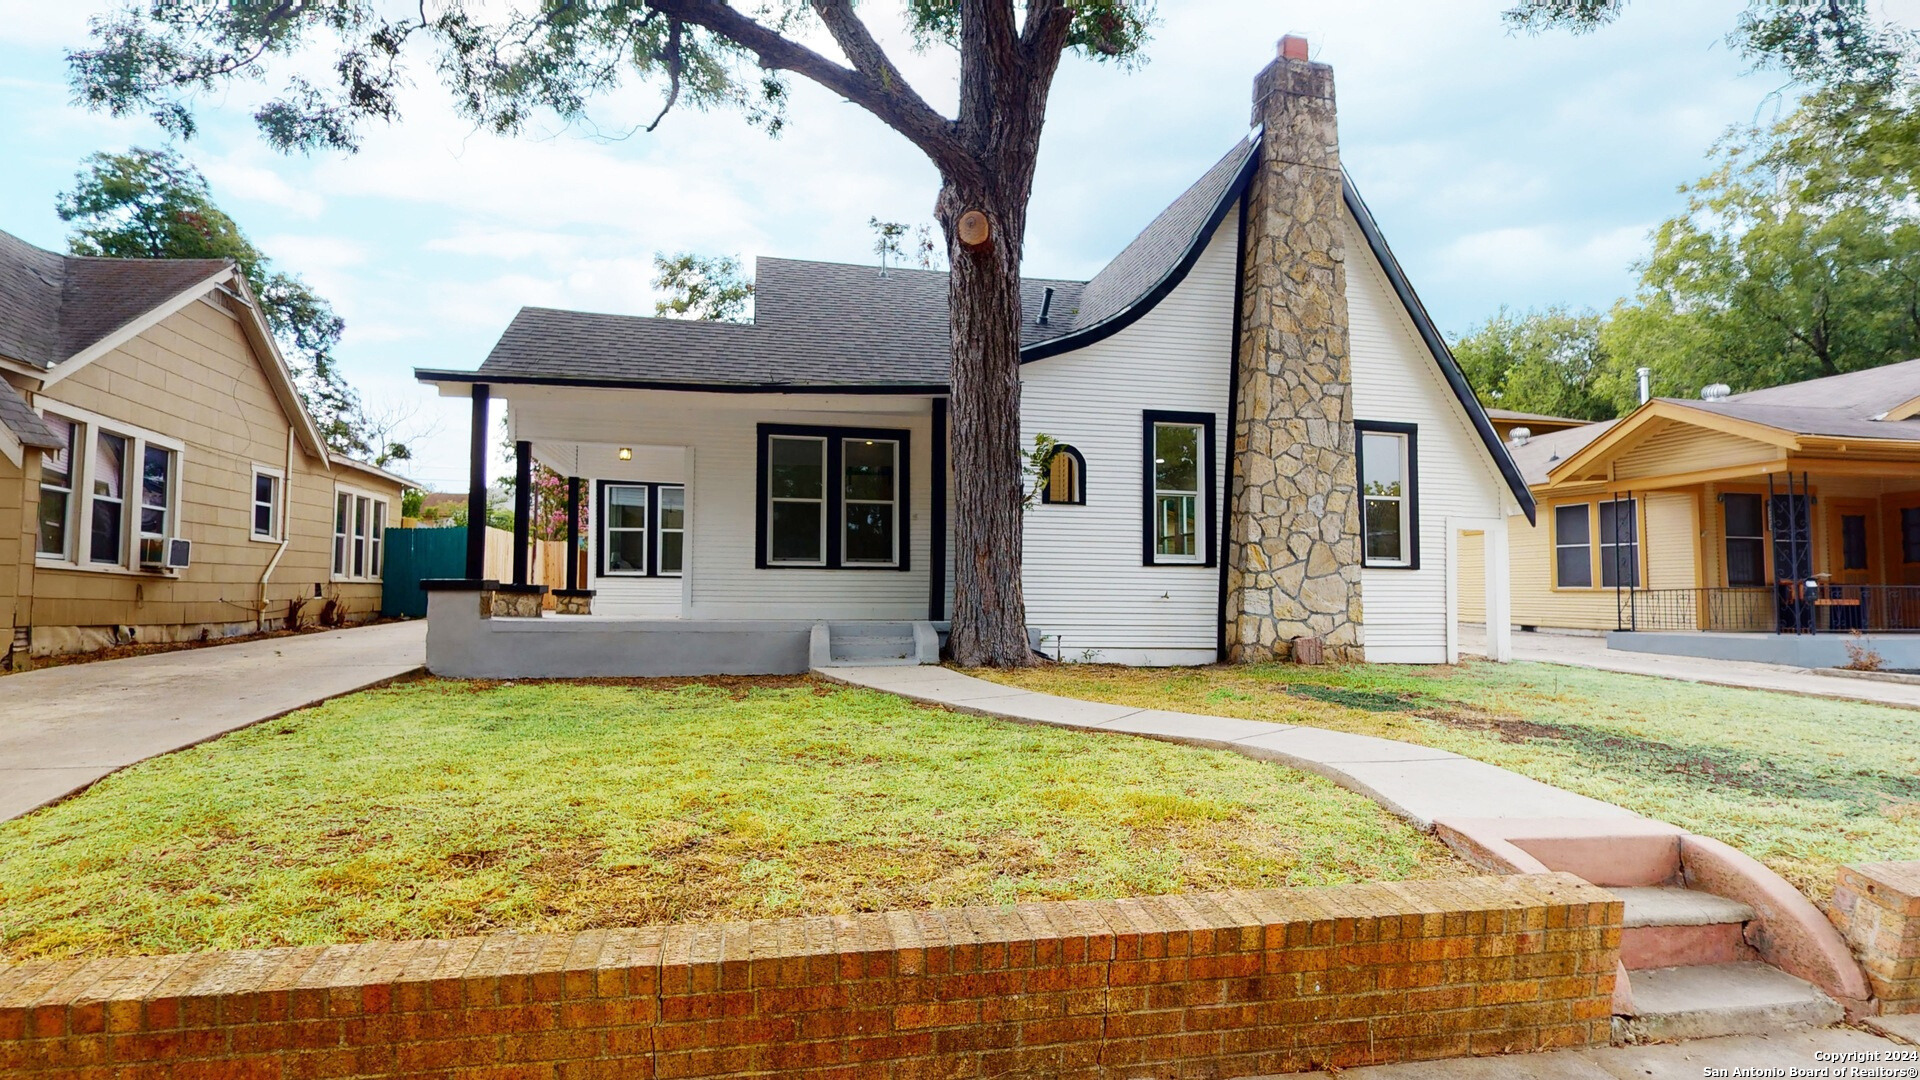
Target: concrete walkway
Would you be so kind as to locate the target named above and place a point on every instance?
(62, 728)
(1591, 652)
(1725, 1057)
(1417, 782)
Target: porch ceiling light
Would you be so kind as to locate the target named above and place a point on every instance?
(626, 453)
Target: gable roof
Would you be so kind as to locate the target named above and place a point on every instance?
(855, 329)
(60, 312)
(1542, 453)
(1858, 406)
(839, 328)
(54, 307)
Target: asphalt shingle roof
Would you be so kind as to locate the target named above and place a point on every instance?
(835, 324)
(1841, 406)
(54, 307)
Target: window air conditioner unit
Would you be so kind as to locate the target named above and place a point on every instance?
(164, 553)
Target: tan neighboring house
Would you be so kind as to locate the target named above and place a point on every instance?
(1793, 510)
(159, 477)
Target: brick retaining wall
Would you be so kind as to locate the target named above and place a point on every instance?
(1207, 985)
(1877, 907)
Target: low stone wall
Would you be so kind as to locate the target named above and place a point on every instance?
(1877, 907)
(1218, 985)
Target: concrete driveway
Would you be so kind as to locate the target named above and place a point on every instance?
(62, 728)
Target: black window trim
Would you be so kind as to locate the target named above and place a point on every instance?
(1209, 486)
(1412, 433)
(1080, 463)
(836, 512)
(600, 520)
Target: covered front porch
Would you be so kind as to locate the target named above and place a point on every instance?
(713, 532)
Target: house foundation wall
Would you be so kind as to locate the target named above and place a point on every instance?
(465, 640)
(1216, 984)
(1897, 651)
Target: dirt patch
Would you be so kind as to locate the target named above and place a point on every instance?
(1373, 701)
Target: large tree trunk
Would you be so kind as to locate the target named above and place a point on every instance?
(989, 611)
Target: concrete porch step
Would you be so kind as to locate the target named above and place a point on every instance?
(1704, 1001)
(878, 644)
(1667, 926)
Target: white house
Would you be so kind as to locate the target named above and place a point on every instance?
(1262, 438)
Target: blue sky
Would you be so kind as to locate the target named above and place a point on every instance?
(1505, 171)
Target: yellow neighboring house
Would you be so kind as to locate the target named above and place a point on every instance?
(1792, 510)
(159, 478)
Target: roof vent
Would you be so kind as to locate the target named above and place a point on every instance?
(1046, 306)
(1519, 436)
(1715, 392)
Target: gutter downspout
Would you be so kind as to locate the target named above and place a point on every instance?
(286, 537)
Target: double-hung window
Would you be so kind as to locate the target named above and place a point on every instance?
(1573, 546)
(58, 469)
(156, 490)
(833, 498)
(1389, 495)
(107, 541)
(1178, 471)
(109, 494)
(1620, 544)
(1910, 534)
(1746, 538)
(268, 485)
(642, 529)
(359, 534)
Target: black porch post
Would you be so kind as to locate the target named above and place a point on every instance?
(937, 543)
(477, 488)
(522, 507)
(573, 534)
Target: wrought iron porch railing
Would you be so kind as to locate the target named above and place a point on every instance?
(1784, 609)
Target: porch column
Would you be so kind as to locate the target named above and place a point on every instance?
(522, 507)
(477, 487)
(937, 542)
(573, 534)
(1499, 594)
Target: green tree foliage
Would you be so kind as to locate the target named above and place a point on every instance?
(1798, 257)
(1818, 42)
(506, 61)
(153, 204)
(1542, 362)
(710, 287)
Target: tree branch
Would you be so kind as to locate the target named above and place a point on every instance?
(897, 105)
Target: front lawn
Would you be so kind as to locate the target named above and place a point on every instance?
(1802, 784)
(443, 808)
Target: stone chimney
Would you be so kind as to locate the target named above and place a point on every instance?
(1293, 571)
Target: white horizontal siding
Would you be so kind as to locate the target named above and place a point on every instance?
(718, 433)
(1395, 379)
(1086, 587)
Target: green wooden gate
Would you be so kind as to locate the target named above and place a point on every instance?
(414, 555)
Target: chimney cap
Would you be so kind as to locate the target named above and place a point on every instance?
(1293, 47)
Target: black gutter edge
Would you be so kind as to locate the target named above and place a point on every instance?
(1132, 313)
(431, 375)
(1456, 379)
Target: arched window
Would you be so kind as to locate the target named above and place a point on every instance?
(1066, 477)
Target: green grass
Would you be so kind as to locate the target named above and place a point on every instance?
(1803, 784)
(444, 808)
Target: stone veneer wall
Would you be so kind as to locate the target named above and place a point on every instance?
(1877, 908)
(1294, 554)
(1216, 985)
